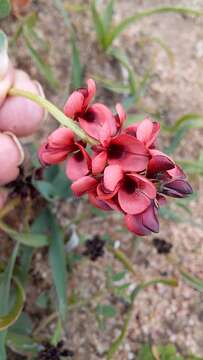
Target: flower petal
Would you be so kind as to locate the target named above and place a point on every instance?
(74, 105)
(91, 91)
(121, 115)
(84, 185)
(113, 174)
(50, 156)
(147, 131)
(177, 188)
(150, 219)
(132, 203)
(78, 164)
(100, 204)
(144, 185)
(128, 152)
(135, 225)
(94, 119)
(61, 138)
(99, 162)
(159, 162)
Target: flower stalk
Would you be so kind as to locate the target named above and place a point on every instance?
(55, 112)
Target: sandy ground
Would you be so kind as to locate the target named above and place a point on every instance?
(161, 314)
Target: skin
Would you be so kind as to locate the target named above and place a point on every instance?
(18, 115)
(11, 156)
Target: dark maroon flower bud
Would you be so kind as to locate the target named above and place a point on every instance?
(177, 188)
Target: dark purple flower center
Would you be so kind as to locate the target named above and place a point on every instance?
(89, 116)
(129, 185)
(115, 151)
(79, 156)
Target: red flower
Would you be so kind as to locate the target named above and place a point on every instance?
(78, 164)
(144, 223)
(124, 172)
(175, 183)
(134, 192)
(158, 163)
(84, 185)
(60, 143)
(146, 131)
(97, 120)
(124, 150)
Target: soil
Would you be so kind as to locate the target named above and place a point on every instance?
(161, 314)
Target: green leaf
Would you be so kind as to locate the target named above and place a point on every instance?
(23, 325)
(60, 6)
(46, 189)
(124, 331)
(107, 311)
(190, 120)
(43, 67)
(55, 184)
(29, 239)
(118, 276)
(114, 86)
(4, 60)
(5, 284)
(121, 56)
(162, 44)
(22, 344)
(76, 67)
(108, 14)
(145, 353)
(10, 318)
(43, 300)
(58, 264)
(99, 25)
(192, 280)
(5, 8)
(123, 25)
(142, 286)
(175, 142)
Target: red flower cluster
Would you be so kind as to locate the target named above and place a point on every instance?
(124, 171)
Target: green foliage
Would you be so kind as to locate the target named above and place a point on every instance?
(106, 311)
(192, 280)
(14, 313)
(107, 32)
(5, 8)
(5, 287)
(58, 263)
(55, 184)
(35, 43)
(162, 352)
(77, 68)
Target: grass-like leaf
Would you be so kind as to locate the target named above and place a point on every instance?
(121, 57)
(5, 285)
(5, 8)
(29, 239)
(123, 25)
(58, 263)
(14, 313)
(190, 120)
(192, 280)
(124, 331)
(22, 344)
(108, 14)
(43, 67)
(77, 69)
(99, 25)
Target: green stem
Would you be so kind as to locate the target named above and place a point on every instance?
(55, 112)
